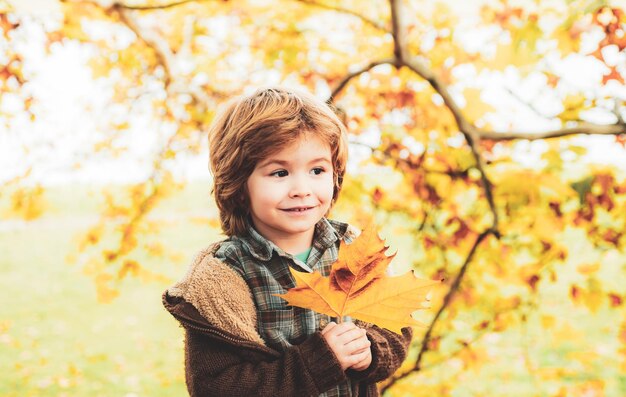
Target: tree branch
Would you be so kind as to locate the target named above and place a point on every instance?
(482, 332)
(398, 32)
(468, 130)
(581, 129)
(156, 7)
(16, 180)
(163, 54)
(453, 174)
(132, 7)
(352, 75)
(527, 104)
(161, 51)
(365, 19)
(446, 302)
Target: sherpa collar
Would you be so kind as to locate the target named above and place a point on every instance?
(218, 294)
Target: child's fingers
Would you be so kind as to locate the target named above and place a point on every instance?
(345, 328)
(355, 360)
(339, 329)
(358, 344)
(364, 354)
(346, 338)
(352, 335)
(365, 361)
(328, 327)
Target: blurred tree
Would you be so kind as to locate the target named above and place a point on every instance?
(473, 122)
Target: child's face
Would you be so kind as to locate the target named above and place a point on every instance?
(290, 191)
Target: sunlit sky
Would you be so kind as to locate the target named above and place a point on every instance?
(64, 131)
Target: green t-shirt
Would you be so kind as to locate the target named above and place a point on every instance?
(303, 256)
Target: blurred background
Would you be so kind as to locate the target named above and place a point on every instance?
(487, 141)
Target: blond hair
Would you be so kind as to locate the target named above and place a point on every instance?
(248, 129)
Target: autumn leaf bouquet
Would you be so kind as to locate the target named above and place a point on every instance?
(358, 286)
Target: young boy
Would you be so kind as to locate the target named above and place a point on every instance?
(278, 158)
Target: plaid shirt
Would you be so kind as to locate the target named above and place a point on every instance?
(265, 267)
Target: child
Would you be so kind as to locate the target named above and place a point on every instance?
(278, 158)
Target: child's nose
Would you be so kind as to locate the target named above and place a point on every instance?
(300, 187)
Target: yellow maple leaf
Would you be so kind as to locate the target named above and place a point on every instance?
(359, 287)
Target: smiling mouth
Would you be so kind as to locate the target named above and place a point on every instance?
(298, 209)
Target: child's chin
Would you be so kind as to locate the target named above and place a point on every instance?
(300, 227)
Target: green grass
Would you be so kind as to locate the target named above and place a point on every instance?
(56, 339)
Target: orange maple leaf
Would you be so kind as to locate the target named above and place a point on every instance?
(359, 287)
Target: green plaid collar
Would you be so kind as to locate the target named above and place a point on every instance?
(327, 232)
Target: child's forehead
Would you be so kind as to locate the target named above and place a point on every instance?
(306, 146)
(309, 140)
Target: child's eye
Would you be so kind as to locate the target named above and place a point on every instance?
(317, 170)
(280, 173)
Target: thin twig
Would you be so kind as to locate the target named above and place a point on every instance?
(157, 6)
(527, 104)
(365, 19)
(581, 129)
(446, 302)
(161, 50)
(342, 84)
(482, 332)
(119, 4)
(454, 174)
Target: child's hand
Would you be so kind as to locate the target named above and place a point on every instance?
(350, 345)
(365, 363)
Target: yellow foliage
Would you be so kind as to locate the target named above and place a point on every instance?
(438, 293)
(475, 108)
(104, 291)
(421, 175)
(473, 358)
(593, 295)
(589, 388)
(92, 237)
(587, 358)
(546, 229)
(129, 266)
(548, 321)
(588, 269)
(554, 373)
(568, 40)
(552, 186)
(28, 203)
(573, 104)
(509, 191)
(508, 54)
(566, 331)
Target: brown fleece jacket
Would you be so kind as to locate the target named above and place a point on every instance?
(225, 355)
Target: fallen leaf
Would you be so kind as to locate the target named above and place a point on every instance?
(359, 287)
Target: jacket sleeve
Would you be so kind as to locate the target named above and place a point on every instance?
(389, 350)
(216, 368)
